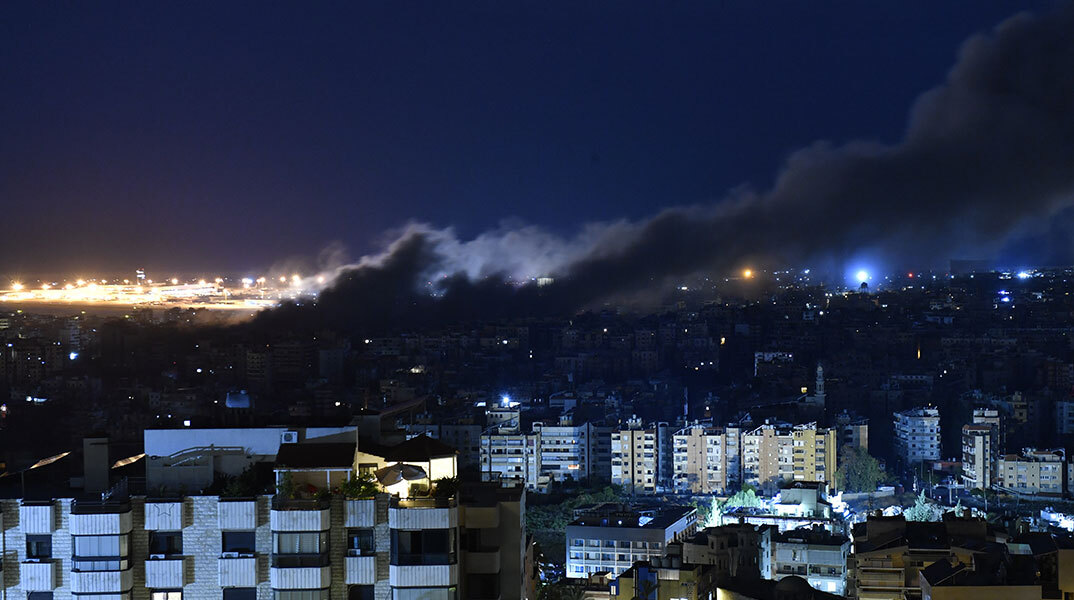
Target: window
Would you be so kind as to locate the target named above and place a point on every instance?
(39, 596)
(240, 542)
(38, 546)
(360, 592)
(165, 543)
(424, 547)
(240, 593)
(169, 595)
(314, 542)
(101, 552)
(359, 542)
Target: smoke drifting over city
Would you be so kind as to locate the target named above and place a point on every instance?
(987, 156)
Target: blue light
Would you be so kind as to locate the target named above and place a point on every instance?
(72, 355)
(863, 276)
(1005, 299)
(505, 399)
(1023, 275)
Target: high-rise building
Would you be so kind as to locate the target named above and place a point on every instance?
(569, 451)
(977, 456)
(707, 460)
(775, 453)
(636, 458)
(917, 435)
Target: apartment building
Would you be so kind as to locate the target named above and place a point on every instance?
(410, 541)
(636, 458)
(917, 435)
(707, 460)
(612, 537)
(889, 553)
(815, 554)
(1033, 472)
(570, 452)
(510, 455)
(977, 456)
(775, 453)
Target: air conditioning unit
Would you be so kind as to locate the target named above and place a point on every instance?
(289, 437)
(246, 554)
(156, 557)
(229, 555)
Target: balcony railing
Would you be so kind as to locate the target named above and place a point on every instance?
(100, 507)
(426, 502)
(280, 503)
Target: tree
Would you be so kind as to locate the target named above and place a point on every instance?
(922, 510)
(858, 471)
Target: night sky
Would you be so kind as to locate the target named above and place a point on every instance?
(191, 136)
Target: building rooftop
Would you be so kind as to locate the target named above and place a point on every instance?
(811, 535)
(613, 515)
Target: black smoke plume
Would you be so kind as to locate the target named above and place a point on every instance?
(987, 155)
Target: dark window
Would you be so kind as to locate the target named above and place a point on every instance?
(425, 547)
(166, 543)
(359, 542)
(39, 596)
(360, 592)
(39, 546)
(238, 541)
(240, 593)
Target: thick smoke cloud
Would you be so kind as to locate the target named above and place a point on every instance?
(987, 155)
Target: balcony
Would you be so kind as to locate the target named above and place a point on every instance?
(38, 576)
(163, 515)
(37, 518)
(423, 513)
(423, 575)
(101, 582)
(360, 513)
(361, 570)
(238, 572)
(166, 573)
(483, 562)
(881, 579)
(237, 514)
(100, 518)
(299, 515)
(299, 576)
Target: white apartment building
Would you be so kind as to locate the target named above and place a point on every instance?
(815, 554)
(460, 544)
(611, 538)
(509, 455)
(917, 435)
(1033, 472)
(571, 452)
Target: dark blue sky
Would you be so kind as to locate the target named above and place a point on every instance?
(195, 135)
